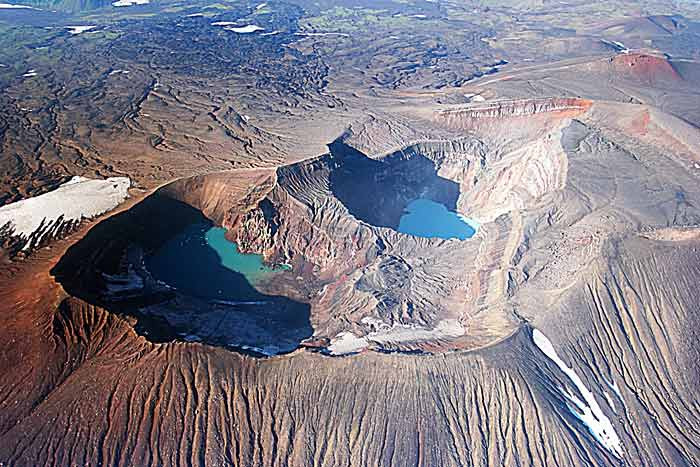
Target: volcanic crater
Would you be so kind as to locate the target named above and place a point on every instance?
(328, 231)
(333, 267)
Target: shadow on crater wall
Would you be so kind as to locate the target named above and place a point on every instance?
(378, 191)
(241, 316)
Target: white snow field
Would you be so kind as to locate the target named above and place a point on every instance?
(586, 410)
(121, 3)
(79, 29)
(11, 6)
(79, 198)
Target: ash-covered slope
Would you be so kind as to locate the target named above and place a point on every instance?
(562, 333)
(334, 219)
(576, 299)
(132, 399)
(111, 396)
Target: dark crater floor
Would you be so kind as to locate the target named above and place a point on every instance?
(108, 267)
(377, 191)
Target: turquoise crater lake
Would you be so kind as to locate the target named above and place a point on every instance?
(426, 218)
(201, 262)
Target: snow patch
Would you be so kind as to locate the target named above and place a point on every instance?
(621, 47)
(10, 6)
(475, 97)
(231, 26)
(615, 388)
(268, 350)
(79, 29)
(618, 46)
(238, 303)
(610, 401)
(447, 328)
(588, 410)
(347, 343)
(383, 333)
(80, 198)
(121, 3)
(473, 223)
(244, 29)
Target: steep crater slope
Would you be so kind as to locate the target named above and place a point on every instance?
(350, 279)
(598, 251)
(115, 266)
(377, 191)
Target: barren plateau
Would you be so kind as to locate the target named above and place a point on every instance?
(205, 252)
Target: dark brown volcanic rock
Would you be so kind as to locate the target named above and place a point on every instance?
(570, 242)
(572, 247)
(130, 398)
(582, 172)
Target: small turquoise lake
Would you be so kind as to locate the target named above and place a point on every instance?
(426, 218)
(201, 262)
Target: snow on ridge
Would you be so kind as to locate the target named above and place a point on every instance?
(80, 198)
(79, 29)
(587, 411)
(346, 343)
(244, 29)
(121, 3)
(11, 6)
(610, 401)
(615, 388)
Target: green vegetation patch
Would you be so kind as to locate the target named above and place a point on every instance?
(356, 19)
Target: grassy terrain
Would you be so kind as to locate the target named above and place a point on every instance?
(359, 19)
